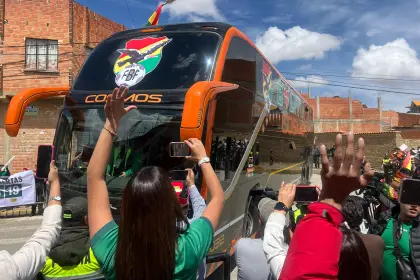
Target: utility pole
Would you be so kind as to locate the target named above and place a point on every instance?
(309, 90)
(351, 110)
(380, 111)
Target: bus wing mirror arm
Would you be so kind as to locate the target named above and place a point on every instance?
(24, 98)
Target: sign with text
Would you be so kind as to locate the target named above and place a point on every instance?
(18, 189)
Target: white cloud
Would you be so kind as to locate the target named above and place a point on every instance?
(389, 64)
(305, 67)
(295, 43)
(395, 58)
(195, 9)
(311, 80)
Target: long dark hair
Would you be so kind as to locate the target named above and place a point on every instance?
(147, 233)
(354, 258)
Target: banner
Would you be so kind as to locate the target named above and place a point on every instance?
(18, 189)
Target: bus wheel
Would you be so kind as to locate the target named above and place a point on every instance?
(251, 219)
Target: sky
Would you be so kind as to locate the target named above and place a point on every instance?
(365, 48)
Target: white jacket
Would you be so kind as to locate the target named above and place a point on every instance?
(275, 248)
(28, 261)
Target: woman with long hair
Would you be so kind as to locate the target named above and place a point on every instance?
(354, 258)
(153, 239)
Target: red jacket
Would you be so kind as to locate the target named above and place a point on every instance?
(315, 248)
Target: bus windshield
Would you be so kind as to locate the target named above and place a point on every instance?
(146, 62)
(143, 140)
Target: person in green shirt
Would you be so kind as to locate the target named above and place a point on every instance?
(124, 161)
(407, 219)
(149, 242)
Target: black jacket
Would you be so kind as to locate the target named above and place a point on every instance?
(379, 226)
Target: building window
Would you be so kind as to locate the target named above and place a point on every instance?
(41, 55)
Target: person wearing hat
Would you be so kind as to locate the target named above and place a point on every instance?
(72, 254)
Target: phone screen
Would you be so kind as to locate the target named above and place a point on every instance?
(178, 175)
(306, 194)
(179, 149)
(410, 192)
(87, 153)
(45, 155)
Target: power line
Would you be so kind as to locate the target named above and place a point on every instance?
(350, 77)
(369, 89)
(129, 11)
(334, 71)
(375, 87)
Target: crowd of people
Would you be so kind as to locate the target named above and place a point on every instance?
(155, 237)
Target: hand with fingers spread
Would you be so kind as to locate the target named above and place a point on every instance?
(343, 177)
(114, 108)
(198, 152)
(287, 194)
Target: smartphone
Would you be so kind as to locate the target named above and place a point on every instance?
(305, 194)
(87, 153)
(178, 175)
(410, 191)
(179, 149)
(44, 158)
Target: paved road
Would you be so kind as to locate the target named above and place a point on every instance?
(15, 231)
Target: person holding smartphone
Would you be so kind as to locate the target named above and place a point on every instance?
(28, 261)
(146, 244)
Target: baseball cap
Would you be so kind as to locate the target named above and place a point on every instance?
(182, 192)
(75, 210)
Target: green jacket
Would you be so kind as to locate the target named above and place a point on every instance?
(135, 159)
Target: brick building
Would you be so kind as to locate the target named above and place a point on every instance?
(43, 43)
(337, 114)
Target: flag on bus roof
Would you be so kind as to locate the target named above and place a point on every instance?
(154, 18)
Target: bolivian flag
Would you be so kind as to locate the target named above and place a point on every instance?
(154, 19)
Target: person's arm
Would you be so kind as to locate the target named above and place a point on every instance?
(275, 248)
(317, 240)
(32, 256)
(197, 201)
(99, 211)
(215, 207)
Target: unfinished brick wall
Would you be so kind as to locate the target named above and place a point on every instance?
(89, 28)
(76, 28)
(37, 20)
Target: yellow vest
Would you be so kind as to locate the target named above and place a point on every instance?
(87, 268)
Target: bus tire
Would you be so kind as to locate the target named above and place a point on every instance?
(251, 218)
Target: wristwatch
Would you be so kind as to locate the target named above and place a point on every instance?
(203, 160)
(56, 198)
(280, 206)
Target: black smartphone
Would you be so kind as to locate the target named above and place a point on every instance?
(86, 153)
(178, 175)
(179, 149)
(410, 191)
(45, 156)
(306, 194)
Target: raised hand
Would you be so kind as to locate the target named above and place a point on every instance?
(114, 108)
(343, 177)
(287, 194)
(198, 152)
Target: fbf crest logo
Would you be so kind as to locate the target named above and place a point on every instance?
(137, 59)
